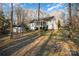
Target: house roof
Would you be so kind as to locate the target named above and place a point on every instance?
(47, 18)
(43, 19)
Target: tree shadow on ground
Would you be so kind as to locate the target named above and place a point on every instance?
(74, 53)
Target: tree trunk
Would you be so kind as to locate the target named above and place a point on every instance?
(11, 21)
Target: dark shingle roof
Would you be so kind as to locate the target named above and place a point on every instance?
(43, 19)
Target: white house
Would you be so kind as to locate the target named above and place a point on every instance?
(17, 29)
(51, 22)
(32, 26)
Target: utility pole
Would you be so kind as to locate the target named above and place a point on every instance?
(11, 22)
(39, 17)
(70, 22)
(70, 13)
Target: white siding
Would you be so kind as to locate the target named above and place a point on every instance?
(17, 28)
(32, 26)
(55, 25)
(50, 25)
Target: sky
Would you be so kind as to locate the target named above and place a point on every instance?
(47, 7)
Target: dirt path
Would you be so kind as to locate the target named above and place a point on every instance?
(12, 47)
(57, 45)
(32, 48)
(7, 40)
(25, 49)
(38, 47)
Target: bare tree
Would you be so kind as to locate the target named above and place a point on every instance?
(2, 19)
(75, 17)
(20, 15)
